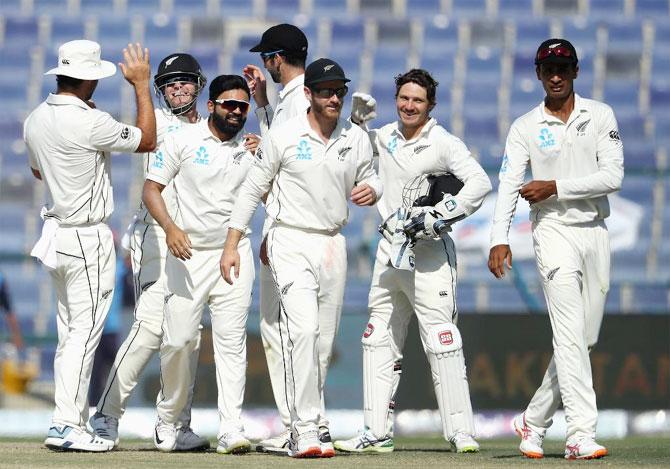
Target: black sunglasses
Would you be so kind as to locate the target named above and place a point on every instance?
(267, 55)
(327, 93)
(231, 104)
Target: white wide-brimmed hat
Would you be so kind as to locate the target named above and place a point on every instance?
(81, 59)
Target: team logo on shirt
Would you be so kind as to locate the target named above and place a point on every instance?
(546, 139)
(503, 165)
(342, 153)
(201, 156)
(125, 133)
(419, 148)
(581, 128)
(393, 145)
(304, 150)
(614, 135)
(259, 155)
(237, 157)
(159, 160)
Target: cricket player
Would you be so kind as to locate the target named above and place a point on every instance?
(412, 146)
(207, 163)
(177, 84)
(317, 161)
(68, 144)
(576, 156)
(283, 50)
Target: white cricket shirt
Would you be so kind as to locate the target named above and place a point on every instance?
(69, 143)
(584, 156)
(312, 180)
(207, 174)
(290, 103)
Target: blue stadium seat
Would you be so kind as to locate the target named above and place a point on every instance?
(282, 9)
(12, 8)
(441, 67)
(660, 68)
(439, 39)
(652, 8)
(20, 31)
(636, 187)
(208, 58)
(376, 8)
(114, 34)
(582, 34)
(64, 29)
(393, 34)
(480, 100)
(384, 92)
(606, 9)
(423, 8)
(662, 130)
(651, 298)
(160, 35)
(235, 9)
(49, 7)
(632, 127)
(329, 8)
(530, 33)
(389, 62)
(96, 7)
(622, 96)
(662, 36)
(487, 33)
(515, 9)
(466, 9)
(208, 30)
(483, 71)
(347, 37)
(481, 130)
(640, 156)
(561, 8)
(624, 36)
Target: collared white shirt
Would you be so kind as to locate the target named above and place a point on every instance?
(207, 174)
(584, 156)
(312, 179)
(434, 150)
(69, 143)
(290, 103)
(166, 123)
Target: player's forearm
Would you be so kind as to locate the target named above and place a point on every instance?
(603, 182)
(152, 198)
(508, 196)
(233, 238)
(146, 119)
(476, 186)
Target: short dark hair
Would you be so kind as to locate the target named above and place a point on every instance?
(225, 83)
(294, 60)
(422, 78)
(69, 83)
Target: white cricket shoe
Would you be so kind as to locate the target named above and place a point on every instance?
(584, 448)
(365, 442)
(67, 438)
(275, 444)
(531, 440)
(105, 426)
(188, 440)
(306, 445)
(327, 448)
(233, 443)
(463, 443)
(165, 436)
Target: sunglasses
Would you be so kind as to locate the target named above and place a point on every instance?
(326, 93)
(555, 51)
(231, 104)
(267, 55)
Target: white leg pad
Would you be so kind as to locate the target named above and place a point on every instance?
(445, 354)
(381, 375)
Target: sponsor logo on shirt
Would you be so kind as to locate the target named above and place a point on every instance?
(393, 145)
(172, 128)
(342, 153)
(259, 154)
(546, 139)
(503, 165)
(581, 128)
(159, 160)
(444, 293)
(125, 133)
(419, 148)
(614, 135)
(446, 338)
(237, 157)
(304, 150)
(201, 156)
(368, 330)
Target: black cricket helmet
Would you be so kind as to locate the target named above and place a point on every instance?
(179, 67)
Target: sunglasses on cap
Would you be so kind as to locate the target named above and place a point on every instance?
(326, 93)
(231, 104)
(267, 55)
(555, 51)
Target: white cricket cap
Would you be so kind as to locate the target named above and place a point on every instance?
(81, 59)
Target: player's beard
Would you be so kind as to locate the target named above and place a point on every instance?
(275, 75)
(224, 125)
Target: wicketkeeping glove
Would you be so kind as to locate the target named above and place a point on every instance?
(363, 108)
(431, 222)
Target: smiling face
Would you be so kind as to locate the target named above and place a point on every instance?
(230, 116)
(179, 93)
(557, 79)
(413, 105)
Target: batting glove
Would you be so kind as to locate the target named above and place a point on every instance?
(363, 108)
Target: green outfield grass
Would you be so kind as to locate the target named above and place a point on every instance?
(410, 452)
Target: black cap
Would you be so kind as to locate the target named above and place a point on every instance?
(178, 65)
(558, 51)
(323, 70)
(284, 37)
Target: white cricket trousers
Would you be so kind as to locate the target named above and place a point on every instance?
(84, 283)
(189, 286)
(309, 270)
(574, 264)
(148, 253)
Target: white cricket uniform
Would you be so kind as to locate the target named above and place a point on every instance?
(291, 102)
(148, 253)
(207, 174)
(311, 184)
(430, 290)
(585, 157)
(69, 143)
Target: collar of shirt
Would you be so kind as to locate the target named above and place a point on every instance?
(298, 81)
(203, 128)
(341, 130)
(65, 99)
(543, 116)
(424, 130)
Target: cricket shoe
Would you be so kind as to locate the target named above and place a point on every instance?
(233, 443)
(306, 445)
(165, 436)
(67, 438)
(463, 443)
(531, 440)
(105, 426)
(275, 444)
(188, 440)
(327, 448)
(365, 442)
(585, 448)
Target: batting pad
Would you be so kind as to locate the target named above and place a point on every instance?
(449, 378)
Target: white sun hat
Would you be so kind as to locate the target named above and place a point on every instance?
(81, 59)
